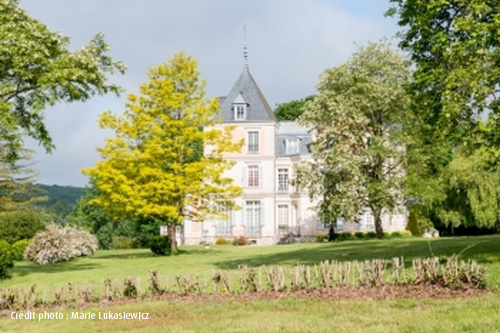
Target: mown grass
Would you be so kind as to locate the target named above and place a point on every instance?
(197, 261)
(288, 315)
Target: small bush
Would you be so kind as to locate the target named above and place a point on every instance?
(6, 258)
(359, 235)
(19, 247)
(122, 243)
(22, 224)
(387, 235)
(222, 241)
(406, 234)
(160, 245)
(396, 234)
(60, 244)
(345, 236)
(240, 241)
(321, 237)
(370, 235)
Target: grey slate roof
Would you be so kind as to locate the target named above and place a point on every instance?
(289, 131)
(258, 109)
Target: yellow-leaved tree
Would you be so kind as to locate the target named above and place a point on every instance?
(166, 159)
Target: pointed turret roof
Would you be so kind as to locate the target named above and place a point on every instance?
(257, 108)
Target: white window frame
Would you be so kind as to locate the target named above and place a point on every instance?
(253, 141)
(369, 221)
(253, 217)
(283, 180)
(224, 227)
(253, 176)
(240, 111)
(283, 215)
(292, 146)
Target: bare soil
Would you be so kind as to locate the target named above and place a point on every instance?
(354, 293)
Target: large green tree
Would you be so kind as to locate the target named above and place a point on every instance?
(359, 156)
(154, 167)
(37, 70)
(454, 45)
(292, 110)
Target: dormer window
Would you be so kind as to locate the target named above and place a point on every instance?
(240, 111)
(292, 146)
(240, 107)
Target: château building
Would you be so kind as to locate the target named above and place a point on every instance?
(272, 209)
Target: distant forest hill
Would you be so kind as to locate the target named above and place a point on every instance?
(61, 199)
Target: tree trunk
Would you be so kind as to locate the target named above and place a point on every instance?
(171, 235)
(378, 222)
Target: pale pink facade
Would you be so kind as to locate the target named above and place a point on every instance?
(272, 210)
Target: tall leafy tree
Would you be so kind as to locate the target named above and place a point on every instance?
(359, 155)
(292, 110)
(37, 70)
(454, 45)
(154, 167)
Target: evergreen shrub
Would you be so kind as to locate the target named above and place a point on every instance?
(160, 245)
(19, 247)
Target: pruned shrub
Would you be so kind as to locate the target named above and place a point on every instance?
(321, 237)
(240, 241)
(6, 258)
(345, 236)
(359, 235)
(160, 245)
(19, 247)
(406, 234)
(222, 241)
(396, 234)
(60, 244)
(370, 235)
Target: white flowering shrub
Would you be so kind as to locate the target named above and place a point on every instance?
(56, 243)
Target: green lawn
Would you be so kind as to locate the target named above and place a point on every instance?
(288, 315)
(118, 264)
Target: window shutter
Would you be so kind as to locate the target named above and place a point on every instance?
(261, 174)
(244, 176)
(261, 221)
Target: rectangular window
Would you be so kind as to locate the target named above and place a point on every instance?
(253, 214)
(224, 226)
(253, 142)
(292, 146)
(253, 176)
(369, 221)
(239, 111)
(283, 215)
(282, 180)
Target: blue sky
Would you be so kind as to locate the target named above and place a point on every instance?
(290, 43)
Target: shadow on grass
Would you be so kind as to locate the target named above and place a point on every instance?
(124, 254)
(483, 249)
(146, 253)
(31, 268)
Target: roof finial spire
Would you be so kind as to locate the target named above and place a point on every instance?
(245, 50)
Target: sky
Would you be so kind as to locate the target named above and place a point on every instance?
(290, 43)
